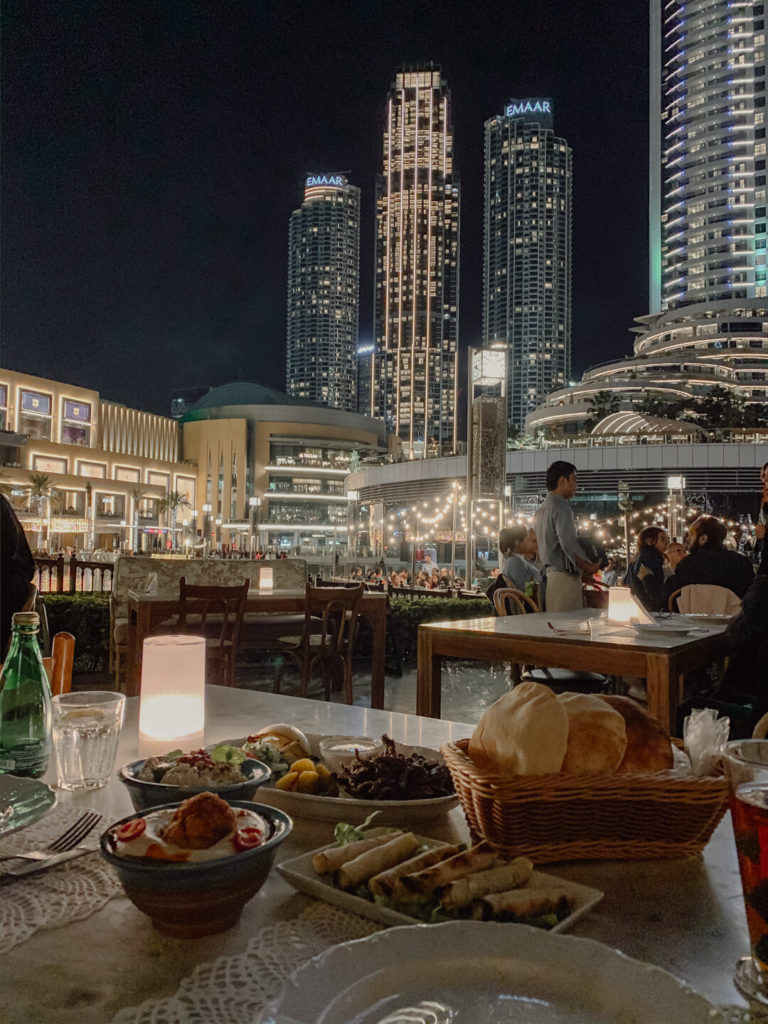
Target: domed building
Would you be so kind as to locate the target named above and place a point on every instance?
(678, 356)
(271, 468)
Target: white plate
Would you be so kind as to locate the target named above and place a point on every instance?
(511, 974)
(300, 874)
(23, 802)
(709, 619)
(668, 628)
(350, 809)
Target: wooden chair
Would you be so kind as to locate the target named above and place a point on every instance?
(215, 613)
(595, 594)
(508, 601)
(328, 636)
(704, 598)
(760, 730)
(58, 666)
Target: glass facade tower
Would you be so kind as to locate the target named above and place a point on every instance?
(527, 252)
(323, 293)
(417, 267)
(708, 152)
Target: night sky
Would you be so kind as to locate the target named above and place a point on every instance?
(153, 152)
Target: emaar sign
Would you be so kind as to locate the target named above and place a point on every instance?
(326, 179)
(515, 108)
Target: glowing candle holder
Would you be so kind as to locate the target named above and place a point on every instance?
(621, 606)
(266, 581)
(172, 708)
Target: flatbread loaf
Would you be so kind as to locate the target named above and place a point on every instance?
(596, 740)
(525, 732)
(648, 745)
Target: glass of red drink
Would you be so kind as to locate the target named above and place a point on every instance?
(746, 763)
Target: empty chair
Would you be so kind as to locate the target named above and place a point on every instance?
(215, 613)
(704, 599)
(328, 636)
(59, 665)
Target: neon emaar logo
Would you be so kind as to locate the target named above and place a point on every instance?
(325, 179)
(517, 107)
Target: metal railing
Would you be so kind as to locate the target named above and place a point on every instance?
(69, 576)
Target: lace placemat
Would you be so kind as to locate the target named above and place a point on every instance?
(237, 988)
(69, 892)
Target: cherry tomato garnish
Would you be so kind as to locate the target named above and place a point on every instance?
(130, 830)
(248, 838)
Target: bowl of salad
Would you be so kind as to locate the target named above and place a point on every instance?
(228, 772)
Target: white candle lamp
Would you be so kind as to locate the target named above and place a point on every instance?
(621, 606)
(172, 708)
(266, 580)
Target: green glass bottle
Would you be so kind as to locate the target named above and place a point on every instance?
(25, 702)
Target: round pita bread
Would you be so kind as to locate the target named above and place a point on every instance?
(596, 740)
(525, 732)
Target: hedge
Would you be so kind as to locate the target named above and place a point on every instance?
(408, 613)
(86, 617)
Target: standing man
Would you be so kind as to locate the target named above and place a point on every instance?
(564, 559)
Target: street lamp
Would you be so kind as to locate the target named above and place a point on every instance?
(254, 514)
(207, 509)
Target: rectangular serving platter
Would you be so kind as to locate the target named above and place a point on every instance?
(299, 873)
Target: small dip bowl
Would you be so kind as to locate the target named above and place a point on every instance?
(190, 899)
(145, 795)
(338, 751)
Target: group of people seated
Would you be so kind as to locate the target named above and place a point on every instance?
(705, 560)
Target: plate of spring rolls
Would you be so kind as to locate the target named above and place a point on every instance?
(396, 877)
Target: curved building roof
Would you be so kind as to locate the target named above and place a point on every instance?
(626, 423)
(243, 392)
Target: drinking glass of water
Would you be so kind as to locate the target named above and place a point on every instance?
(746, 764)
(86, 728)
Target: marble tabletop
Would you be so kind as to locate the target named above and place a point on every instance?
(686, 915)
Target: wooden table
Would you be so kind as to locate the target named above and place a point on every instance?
(528, 640)
(684, 915)
(146, 612)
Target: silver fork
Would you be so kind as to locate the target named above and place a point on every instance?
(68, 840)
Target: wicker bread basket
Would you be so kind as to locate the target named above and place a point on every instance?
(587, 817)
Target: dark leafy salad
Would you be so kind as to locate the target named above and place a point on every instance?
(395, 776)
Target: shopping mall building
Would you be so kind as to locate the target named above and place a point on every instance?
(257, 469)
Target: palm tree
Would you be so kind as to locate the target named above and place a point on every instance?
(171, 502)
(719, 407)
(137, 496)
(652, 405)
(603, 404)
(39, 490)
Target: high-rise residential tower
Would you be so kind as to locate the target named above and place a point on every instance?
(707, 152)
(527, 252)
(708, 319)
(417, 266)
(323, 293)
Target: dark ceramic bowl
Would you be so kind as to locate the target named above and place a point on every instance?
(145, 795)
(188, 900)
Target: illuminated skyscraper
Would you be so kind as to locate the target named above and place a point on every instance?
(527, 252)
(707, 152)
(323, 293)
(417, 266)
(708, 319)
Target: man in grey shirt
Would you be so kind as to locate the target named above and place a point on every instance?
(564, 559)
